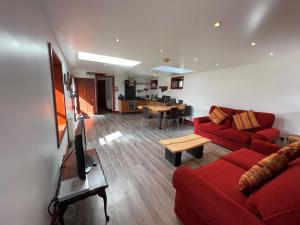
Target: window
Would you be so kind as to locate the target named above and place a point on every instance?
(177, 82)
(153, 84)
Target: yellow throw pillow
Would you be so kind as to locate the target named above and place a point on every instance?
(217, 116)
(269, 167)
(245, 120)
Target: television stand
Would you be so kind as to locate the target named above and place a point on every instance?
(97, 183)
(89, 162)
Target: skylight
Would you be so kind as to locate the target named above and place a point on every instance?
(106, 59)
(170, 69)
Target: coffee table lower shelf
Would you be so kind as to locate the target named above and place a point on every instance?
(175, 158)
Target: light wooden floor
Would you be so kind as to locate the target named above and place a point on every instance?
(140, 179)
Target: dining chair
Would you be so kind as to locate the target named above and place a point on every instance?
(173, 116)
(147, 115)
(186, 112)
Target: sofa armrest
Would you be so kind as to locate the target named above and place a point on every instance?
(270, 135)
(211, 205)
(263, 147)
(198, 120)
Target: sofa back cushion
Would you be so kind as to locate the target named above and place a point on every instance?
(228, 121)
(265, 120)
(278, 201)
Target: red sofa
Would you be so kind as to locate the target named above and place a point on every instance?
(226, 134)
(209, 196)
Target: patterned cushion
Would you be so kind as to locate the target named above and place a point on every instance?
(263, 171)
(267, 168)
(217, 115)
(246, 120)
(292, 151)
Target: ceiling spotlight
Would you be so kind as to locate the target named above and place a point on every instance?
(253, 44)
(155, 75)
(161, 51)
(217, 64)
(217, 24)
(271, 53)
(99, 69)
(117, 40)
(195, 59)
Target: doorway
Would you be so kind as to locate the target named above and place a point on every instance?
(101, 97)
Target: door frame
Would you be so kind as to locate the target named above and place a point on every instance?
(113, 91)
(77, 94)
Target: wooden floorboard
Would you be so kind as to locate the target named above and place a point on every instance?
(140, 178)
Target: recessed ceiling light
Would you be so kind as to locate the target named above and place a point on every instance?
(217, 64)
(253, 43)
(218, 24)
(161, 51)
(271, 53)
(99, 69)
(155, 75)
(195, 59)
(117, 40)
(106, 59)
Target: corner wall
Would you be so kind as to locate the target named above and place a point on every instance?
(270, 87)
(29, 158)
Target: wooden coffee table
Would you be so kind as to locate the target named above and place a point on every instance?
(193, 144)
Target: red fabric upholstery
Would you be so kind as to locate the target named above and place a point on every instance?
(197, 121)
(232, 139)
(212, 127)
(244, 158)
(208, 195)
(200, 203)
(240, 136)
(278, 201)
(221, 141)
(227, 182)
(264, 148)
(270, 134)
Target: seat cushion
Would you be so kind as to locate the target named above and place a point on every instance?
(244, 158)
(212, 127)
(278, 201)
(224, 176)
(240, 136)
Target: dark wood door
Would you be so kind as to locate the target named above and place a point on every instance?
(101, 94)
(86, 96)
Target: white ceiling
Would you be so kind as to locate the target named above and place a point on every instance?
(183, 28)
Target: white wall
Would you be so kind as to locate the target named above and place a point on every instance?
(270, 87)
(28, 149)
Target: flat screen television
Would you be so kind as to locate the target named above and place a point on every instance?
(84, 161)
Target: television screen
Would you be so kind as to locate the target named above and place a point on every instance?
(80, 147)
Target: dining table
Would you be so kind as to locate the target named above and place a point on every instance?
(160, 110)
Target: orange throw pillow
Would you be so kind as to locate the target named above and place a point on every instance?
(217, 116)
(269, 167)
(245, 120)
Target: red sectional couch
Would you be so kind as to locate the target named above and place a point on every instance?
(226, 134)
(209, 196)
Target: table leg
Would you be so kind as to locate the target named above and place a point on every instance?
(196, 152)
(61, 212)
(102, 194)
(173, 158)
(160, 117)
